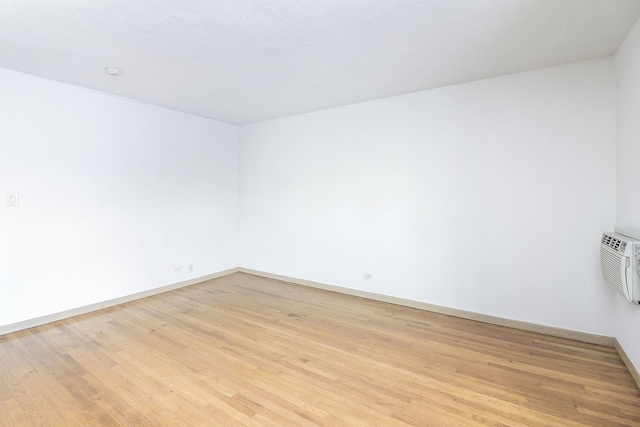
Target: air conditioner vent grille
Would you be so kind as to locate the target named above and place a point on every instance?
(613, 243)
(612, 263)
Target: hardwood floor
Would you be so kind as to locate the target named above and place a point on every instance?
(249, 351)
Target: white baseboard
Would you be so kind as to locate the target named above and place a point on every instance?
(13, 327)
(627, 361)
(485, 318)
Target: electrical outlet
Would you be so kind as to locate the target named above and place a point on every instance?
(190, 268)
(178, 269)
(367, 276)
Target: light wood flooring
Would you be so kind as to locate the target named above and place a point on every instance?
(248, 351)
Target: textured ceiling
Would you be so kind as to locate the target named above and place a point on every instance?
(242, 61)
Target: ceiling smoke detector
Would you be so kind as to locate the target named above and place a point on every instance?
(112, 71)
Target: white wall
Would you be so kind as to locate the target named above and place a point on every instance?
(486, 196)
(627, 65)
(113, 195)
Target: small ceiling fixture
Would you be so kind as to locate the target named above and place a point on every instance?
(112, 71)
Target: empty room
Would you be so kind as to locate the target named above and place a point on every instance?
(319, 213)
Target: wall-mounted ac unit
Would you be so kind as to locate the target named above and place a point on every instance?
(619, 258)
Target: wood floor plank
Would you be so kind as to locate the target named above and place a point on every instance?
(243, 350)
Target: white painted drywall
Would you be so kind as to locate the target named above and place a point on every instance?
(627, 66)
(484, 196)
(113, 195)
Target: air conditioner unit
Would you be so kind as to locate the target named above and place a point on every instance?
(619, 258)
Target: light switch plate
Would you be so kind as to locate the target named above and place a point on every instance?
(13, 199)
